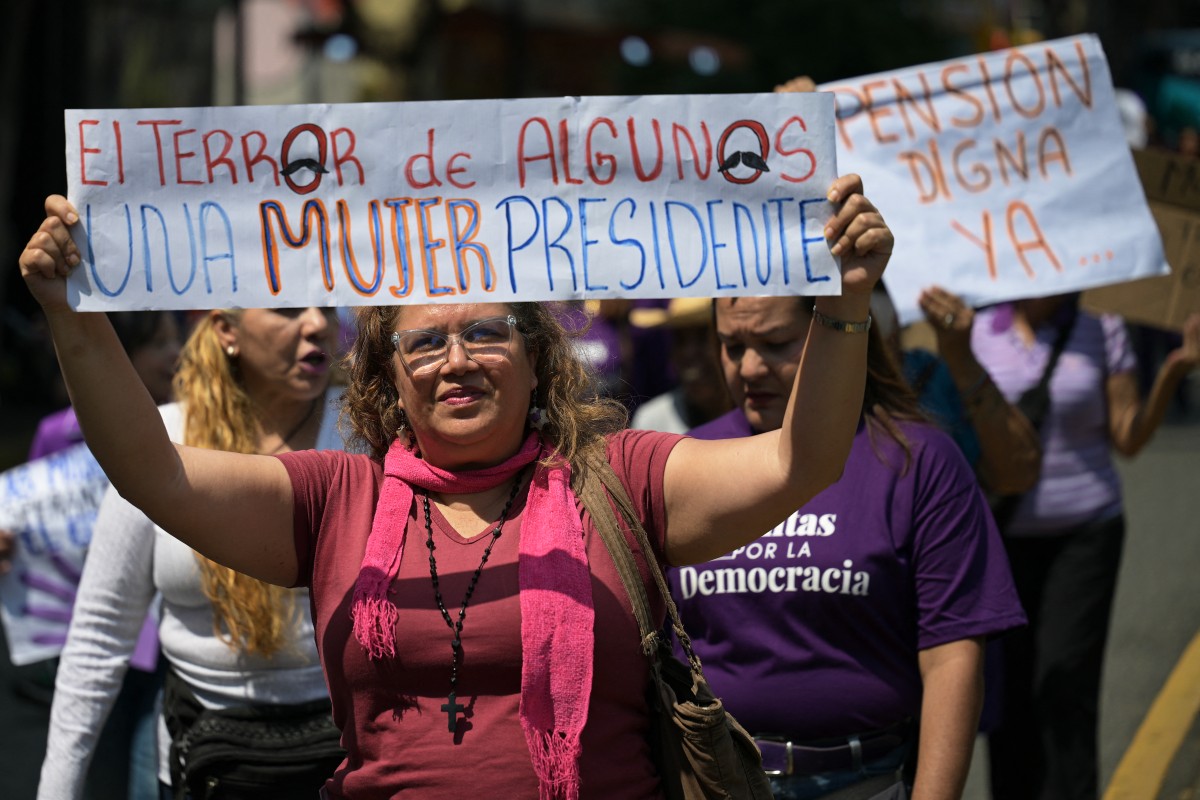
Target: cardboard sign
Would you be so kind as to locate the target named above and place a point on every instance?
(1004, 175)
(480, 201)
(50, 506)
(1172, 185)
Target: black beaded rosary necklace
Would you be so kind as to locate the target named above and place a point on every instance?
(451, 706)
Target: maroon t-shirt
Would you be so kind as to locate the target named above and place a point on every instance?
(389, 709)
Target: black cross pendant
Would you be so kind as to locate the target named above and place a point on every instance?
(451, 707)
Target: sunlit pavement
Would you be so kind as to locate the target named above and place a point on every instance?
(1155, 618)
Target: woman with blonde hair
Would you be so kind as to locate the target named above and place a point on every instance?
(249, 381)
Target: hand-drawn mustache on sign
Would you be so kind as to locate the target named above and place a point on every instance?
(750, 159)
(747, 158)
(301, 163)
(315, 165)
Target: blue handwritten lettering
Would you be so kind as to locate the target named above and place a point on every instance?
(612, 236)
(555, 244)
(207, 207)
(716, 245)
(683, 284)
(806, 240)
(92, 254)
(583, 234)
(783, 248)
(506, 203)
(400, 245)
(349, 262)
(739, 212)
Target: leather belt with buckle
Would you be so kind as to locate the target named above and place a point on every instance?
(784, 757)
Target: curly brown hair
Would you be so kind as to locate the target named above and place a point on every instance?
(577, 416)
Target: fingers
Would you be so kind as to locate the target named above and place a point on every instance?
(802, 83)
(59, 206)
(866, 233)
(858, 227)
(936, 294)
(843, 187)
(51, 251)
(946, 311)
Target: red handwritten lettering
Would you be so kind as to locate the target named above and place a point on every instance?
(83, 151)
(524, 158)
(347, 157)
(155, 123)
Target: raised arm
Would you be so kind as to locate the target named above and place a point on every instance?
(1010, 451)
(1133, 422)
(236, 509)
(723, 494)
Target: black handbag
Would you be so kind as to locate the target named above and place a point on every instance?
(700, 750)
(265, 752)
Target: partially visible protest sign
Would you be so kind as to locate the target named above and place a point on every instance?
(465, 201)
(49, 505)
(1172, 185)
(1004, 175)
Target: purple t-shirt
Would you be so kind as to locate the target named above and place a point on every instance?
(1078, 481)
(813, 630)
(55, 432)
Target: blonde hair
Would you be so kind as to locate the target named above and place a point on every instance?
(577, 420)
(248, 614)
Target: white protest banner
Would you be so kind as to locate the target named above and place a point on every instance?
(464, 201)
(1003, 175)
(49, 505)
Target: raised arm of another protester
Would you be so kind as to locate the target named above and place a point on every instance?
(1132, 421)
(209, 499)
(723, 494)
(1010, 449)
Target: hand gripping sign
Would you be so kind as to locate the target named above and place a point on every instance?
(1005, 175)
(479, 201)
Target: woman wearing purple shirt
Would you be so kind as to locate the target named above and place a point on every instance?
(1064, 537)
(851, 634)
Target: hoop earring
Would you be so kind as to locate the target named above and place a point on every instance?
(537, 416)
(405, 430)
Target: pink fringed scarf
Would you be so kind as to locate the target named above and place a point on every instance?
(552, 565)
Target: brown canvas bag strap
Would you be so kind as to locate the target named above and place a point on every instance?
(597, 484)
(591, 493)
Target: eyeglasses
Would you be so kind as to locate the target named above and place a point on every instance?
(485, 342)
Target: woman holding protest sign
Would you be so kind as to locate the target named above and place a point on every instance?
(250, 381)
(850, 636)
(474, 418)
(127, 766)
(1073, 375)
